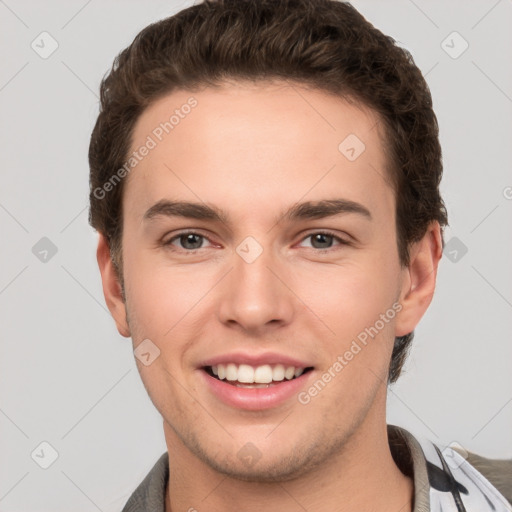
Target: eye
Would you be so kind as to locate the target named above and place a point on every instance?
(323, 240)
(189, 241)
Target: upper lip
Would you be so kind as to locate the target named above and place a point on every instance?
(271, 358)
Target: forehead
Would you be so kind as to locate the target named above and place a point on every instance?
(255, 145)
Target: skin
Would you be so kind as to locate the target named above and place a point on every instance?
(254, 150)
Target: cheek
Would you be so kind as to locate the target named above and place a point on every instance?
(356, 306)
(161, 295)
(351, 296)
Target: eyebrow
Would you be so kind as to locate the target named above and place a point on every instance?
(301, 211)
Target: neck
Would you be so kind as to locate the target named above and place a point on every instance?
(361, 476)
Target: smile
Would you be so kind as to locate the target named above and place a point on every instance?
(247, 376)
(255, 388)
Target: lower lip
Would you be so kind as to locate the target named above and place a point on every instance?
(254, 399)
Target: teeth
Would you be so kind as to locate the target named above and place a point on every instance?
(245, 374)
(289, 373)
(252, 386)
(231, 372)
(264, 374)
(278, 373)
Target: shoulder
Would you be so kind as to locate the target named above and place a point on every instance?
(453, 471)
(450, 476)
(150, 494)
(497, 471)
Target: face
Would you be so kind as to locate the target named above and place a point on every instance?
(260, 258)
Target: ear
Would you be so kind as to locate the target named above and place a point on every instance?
(112, 287)
(419, 279)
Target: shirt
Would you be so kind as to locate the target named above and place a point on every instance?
(443, 481)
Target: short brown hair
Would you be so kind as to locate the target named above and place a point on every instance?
(325, 44)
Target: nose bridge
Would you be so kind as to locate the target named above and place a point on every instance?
(253, 296)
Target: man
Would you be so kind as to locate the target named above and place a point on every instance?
(294, 147)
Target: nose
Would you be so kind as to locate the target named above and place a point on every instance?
(256, 295)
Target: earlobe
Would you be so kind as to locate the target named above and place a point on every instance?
(112, 287)
(419, 280)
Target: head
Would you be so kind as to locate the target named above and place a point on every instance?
(250, 109)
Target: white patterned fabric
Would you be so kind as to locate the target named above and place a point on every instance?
(456, 486)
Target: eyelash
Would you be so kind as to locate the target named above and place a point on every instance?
(341, 241)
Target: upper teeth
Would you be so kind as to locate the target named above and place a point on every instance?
(259, 374)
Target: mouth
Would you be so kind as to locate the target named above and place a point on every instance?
(255, 377)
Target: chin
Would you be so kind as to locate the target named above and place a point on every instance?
(269, 465)
(269, 472)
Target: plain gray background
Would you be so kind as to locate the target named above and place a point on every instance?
(69, 379)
